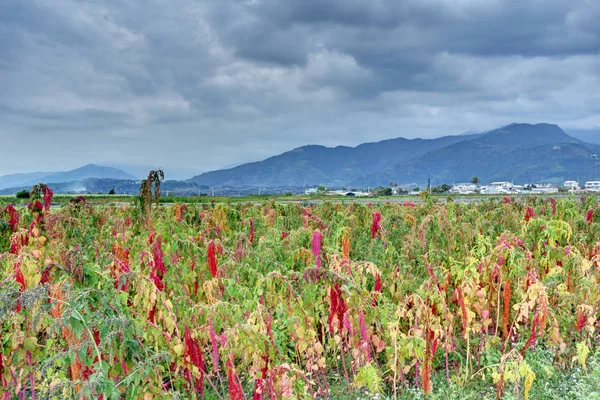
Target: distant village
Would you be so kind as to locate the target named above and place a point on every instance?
(474, 187)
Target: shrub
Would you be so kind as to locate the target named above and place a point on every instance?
(23, 194)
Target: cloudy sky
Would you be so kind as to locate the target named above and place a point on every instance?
(193, 85)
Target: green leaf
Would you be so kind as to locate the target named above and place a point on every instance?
(76, 325)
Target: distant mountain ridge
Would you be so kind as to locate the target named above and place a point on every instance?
(520, 152)
(516, 152)
(523, 153)
(312, 164)
(85, 172)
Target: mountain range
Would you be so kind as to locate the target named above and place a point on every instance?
(516, 152)
(522, 153)
(85, 172)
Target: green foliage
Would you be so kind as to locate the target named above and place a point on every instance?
(381, 191)
(368, 375)
(93, 303)
(23, 194)
(441, 189)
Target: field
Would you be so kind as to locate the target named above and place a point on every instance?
(271, 300)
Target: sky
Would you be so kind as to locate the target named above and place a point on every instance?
(192, 85)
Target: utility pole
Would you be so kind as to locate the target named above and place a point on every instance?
(429, 185)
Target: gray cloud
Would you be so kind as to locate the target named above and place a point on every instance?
(194, 85)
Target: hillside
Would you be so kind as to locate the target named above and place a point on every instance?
(516, 152)
(85, 172)
(519, 152)
(319, 165)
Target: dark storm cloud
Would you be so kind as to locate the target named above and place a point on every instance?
(197, 84)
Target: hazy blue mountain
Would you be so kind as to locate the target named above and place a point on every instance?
(89, 171)
(85, 172)
(320, 165)
(587, 135)
(519, 152)
(12, 180)
(121, 186)
(141, 171)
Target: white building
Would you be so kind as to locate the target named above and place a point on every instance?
(311, 191)
(505, 185)
(544, 188)
(592, 186)
(571, 185)
(464, 188)
(347, 193)
(499, 188)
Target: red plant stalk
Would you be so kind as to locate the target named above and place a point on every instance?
(346, 247)
(590, 216)
(363, 334)
(13, 217)
(47, 194)
(20, 278)
(376, 289)
(529, 213)
(259, 387)
(157, 255)
(251, 231)
(18, 241)
(316, 247)
(581, 320)
(426, 370)
(158, 268)
(463, 308)
(553, 203)
(31, 378)
(215, 348)
(375, 224)
(333, 305)
(422, 227)
(506, 313)
(348, 325)
(341, 310)
(212, 259)
(235, 388)
(532, 336)
(193, 351)
(122, 266)
(337, 307)
(152, 314)
(35, 206)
